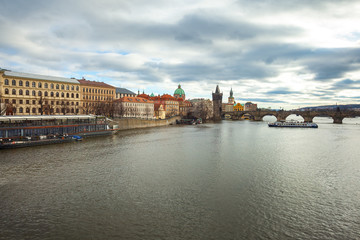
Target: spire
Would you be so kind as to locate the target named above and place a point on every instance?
(231, 93)
(179, 86)
(217, 89)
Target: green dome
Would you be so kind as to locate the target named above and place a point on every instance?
(179, 91)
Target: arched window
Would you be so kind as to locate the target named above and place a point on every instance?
(67, 87)
(62, 94)
(57, 94)
(13, 92)
(77, 88)
(27, 110)
(62, 87)
(39, 85)
(21, 110)
(72, 110)
(33, 84)
(34, 110)
(72, 95)
(67, 95)
(6, 91)
(13, 82)
(46, 85)
(6, 82)
(27, 84)
(20, 83)
(72, 88)
(46, 94)
(27, 92)
(77, 95)
(20, 92)
(52, 86)
(39, 93)
(57, 86)
(33, 93)
(57, 110)
(51, 94)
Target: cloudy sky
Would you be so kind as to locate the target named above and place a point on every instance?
(277, 53)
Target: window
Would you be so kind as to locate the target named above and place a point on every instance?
(57, 94)
(13, 82)
(20, 83)
(27, 110)
(57, 86)
(67, 95)
(72, 95)
(20, 92)
(6, 100)
(67, 87)
(34, 110)
(72, 103)
(14, 101)
(62, 94)
(33, 84)
(72, 88)
(46, 94)
(27, 84)
(39, 85)
(52, 86)
(51, 94)
(21, 110)
(57, 110)
(6, 82)
(27, 102)
(52, 102)
(33, 102)
(39, 93)
(6, 91)
(62, 87)
(33, 93)
(46, 85)
(13, 92)
(77, 88)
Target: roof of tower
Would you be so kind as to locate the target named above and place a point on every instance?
(217, 89)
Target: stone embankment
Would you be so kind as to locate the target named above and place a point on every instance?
(133, 123)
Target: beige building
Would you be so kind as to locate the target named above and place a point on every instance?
(96, 97)
(134, 107)
(33, 94)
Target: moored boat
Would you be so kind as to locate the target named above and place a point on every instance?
(25, 131)
(293, 124)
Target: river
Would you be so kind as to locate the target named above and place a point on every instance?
(230, 180)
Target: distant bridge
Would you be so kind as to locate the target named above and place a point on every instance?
(337, 115)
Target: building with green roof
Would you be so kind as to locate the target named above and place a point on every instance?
(179, 93)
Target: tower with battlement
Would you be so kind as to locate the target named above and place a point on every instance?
(217, 103)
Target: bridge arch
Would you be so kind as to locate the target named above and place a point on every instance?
(295, 117)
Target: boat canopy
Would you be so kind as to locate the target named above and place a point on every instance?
(45, 117)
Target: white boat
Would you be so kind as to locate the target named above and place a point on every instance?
(293, 124)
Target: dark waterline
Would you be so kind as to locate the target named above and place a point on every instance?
(233, 180)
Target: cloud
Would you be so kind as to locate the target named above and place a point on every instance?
(263, 49)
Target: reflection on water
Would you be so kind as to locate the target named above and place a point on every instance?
(233, 180)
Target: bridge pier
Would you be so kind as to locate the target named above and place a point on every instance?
(338, 120)
(256, 118)
(308, 119)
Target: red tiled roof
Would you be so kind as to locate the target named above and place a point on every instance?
(94, 83)
(134, 100)
(143, 95)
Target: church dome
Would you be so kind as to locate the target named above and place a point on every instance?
(179, 91)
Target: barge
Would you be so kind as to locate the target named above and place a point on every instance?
(25, 131)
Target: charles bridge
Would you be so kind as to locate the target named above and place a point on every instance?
(281, 115)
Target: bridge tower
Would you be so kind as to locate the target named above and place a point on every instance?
(217, 103)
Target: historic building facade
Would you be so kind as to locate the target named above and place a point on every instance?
(134, 107)
(34, 94)
(229, 106)
(97, 97)
(249, 106)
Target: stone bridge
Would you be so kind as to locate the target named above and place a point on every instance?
(337, 115)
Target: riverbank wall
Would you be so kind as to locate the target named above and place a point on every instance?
(133, 123)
